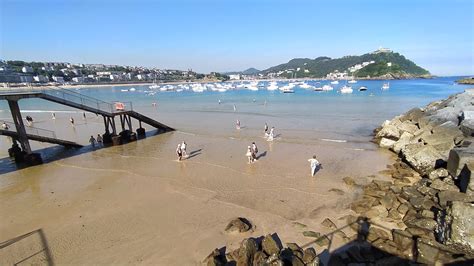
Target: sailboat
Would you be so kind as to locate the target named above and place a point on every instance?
(334, 82)
(386, 86)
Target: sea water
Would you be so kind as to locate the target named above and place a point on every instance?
(305, 115)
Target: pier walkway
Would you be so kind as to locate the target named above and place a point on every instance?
(108, 110)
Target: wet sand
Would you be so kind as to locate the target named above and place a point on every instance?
(135, 204)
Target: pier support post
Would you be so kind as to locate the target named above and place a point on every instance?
(20, 127)
(140, 130)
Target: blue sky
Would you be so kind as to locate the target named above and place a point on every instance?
(225, 35)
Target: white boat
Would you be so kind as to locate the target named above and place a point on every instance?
(318, 89)
(386, 86)
(334, 82)
(132, 89)
(362, 88)
(154, 86)
(124, 90)
(352, 81)
(287, 89)
(327, 88)
(346, 89)
(305, 86)
(272, 86)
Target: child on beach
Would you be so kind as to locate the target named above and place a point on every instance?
(249, 154)
(266, 129)
(254, 151)
(237, 124)
(92, 141)
(179, 153)
(271, 134)
(314, 165)
(100, 140)
(71, 120)
(183, 149)
(53, 116)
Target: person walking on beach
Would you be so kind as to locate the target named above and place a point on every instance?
(249, 154)
(266, 129)
(235, 108)
(100, 140)
(71, 120)
(237, 124)
(314, 165)
(5, 126)
(183, 149)
(84, 115)
(92, 141)
(254, 151)
(271, 134)
(53, 115)
(179, 152)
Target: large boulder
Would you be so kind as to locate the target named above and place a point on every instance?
(247, 251)
(238, 225)
(407, 127)
(466, 178)
(438, 173)
(441, 185)
(450, 195)
(458, 157)
(423, 158)
(389, 131)
(467, 127)
(460, 218)
(405, 139)
(270, 246)
(387, 143)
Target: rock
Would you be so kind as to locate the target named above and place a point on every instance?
(215, 259)
(259, 258)
(270, 246)
(377, 211)
(382, 185)
(238, 225)
(403, 209)
(349, 181)
(450, 195)
(311, 234)
(424, 223)
(420, 232)
(438, 174)
(431, 252)
(467, 127)
(427, 214)
(247, 250)
(296, 261)
(458, 157)
(274, 260)
(423, 158)
(402, 239)
(460, 218)
(414, 115)
(466, 178)
(390, 132)
(322, 241)
(377, 233)
(409, 192)
(329, 224)
(309, 255)
(405, 139)
(389, 200)
(407, 127)
(467, 115)
(363, 205)
(443, 186)
(386, 143)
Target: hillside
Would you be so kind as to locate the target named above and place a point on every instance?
(379, 64)
(249, 71)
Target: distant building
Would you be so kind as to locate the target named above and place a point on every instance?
(41, 79)
(27, 69)
(389, 64)
(234, 77)
(382, 50)
(78, 79)
(58, 79)
(141, 77)
(15, 78)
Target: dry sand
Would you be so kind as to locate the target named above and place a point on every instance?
(135, 204)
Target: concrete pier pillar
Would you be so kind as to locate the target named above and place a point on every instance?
(20, 127)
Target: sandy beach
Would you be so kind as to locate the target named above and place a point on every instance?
(136, 204)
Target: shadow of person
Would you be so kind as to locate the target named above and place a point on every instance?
(193, 154)
(263, 154)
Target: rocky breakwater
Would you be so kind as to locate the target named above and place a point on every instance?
(435, 203)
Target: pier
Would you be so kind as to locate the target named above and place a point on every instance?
(109, 111)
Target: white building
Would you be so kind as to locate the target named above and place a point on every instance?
(141, 77)
(27, 69)
(78, 79)
(58, 79)
(41, 78)
(234, 77)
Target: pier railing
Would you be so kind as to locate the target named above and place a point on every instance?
(31, 130)
(75, 97)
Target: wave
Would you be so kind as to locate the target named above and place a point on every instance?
(335, 140)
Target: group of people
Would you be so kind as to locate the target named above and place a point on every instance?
(181, 151)
(99, 141)
(252, 153)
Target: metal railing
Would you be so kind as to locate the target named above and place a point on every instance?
(74, 97)
(30, 130)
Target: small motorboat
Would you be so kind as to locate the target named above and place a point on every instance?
(386, 86)
(327, 88)
(362, 88)
(352, 81)
(132, 89)
(318, 89)
(346, 89)
(334, 82)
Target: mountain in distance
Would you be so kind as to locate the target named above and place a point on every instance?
(382, 63)
(250, 71)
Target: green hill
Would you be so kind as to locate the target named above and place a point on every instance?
(385, 64)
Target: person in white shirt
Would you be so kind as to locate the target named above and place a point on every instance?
(314, 165)
(183, 149)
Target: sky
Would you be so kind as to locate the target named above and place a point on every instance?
(229, 35)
